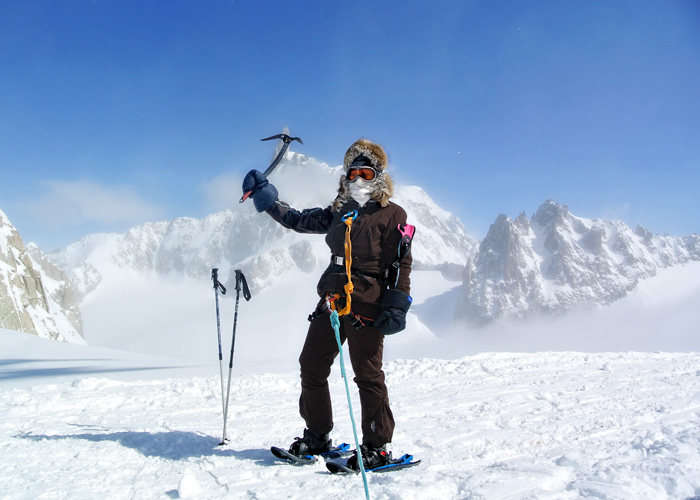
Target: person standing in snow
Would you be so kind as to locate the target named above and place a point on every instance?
(378, 303)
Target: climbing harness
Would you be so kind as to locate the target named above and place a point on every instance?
(329, 305)
(390, 275)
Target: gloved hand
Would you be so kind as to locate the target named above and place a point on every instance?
(263, 193)
(392, 318)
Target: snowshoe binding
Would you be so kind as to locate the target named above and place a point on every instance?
(371, 458)
(305, 450)
(374, 460)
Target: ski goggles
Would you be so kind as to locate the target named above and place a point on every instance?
(367, 173)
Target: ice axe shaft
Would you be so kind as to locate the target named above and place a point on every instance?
(285, 145)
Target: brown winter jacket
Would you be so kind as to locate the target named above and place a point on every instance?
(375, 241)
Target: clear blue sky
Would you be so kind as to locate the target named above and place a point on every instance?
(114, 113)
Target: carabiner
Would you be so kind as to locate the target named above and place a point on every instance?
(352, 215)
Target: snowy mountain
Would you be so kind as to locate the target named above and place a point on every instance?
(241, 238)
(35, 296)
(557, 261)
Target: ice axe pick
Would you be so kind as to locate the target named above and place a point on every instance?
(285, 145)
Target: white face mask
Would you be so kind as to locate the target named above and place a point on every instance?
(361, 190)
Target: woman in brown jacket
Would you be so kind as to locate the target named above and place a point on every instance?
(379, 295)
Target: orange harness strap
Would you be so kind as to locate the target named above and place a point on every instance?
(349, 287)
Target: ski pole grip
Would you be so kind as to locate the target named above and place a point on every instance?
(240, 279)
(245, 197)
(217, 283)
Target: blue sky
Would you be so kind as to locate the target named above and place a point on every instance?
(114, 113)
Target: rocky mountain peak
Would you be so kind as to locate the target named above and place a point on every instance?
(35, 296)
(551, 214)
(557, 261)
(500, 277)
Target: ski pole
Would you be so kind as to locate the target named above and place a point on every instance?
(218, 286)
(240, 280)
(335, 322)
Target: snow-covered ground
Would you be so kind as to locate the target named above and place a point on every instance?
(86, 422)
(494, 425)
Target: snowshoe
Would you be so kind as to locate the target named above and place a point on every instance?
(389, 465)
(335, 452)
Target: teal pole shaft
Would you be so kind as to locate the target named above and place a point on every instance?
(335, 322)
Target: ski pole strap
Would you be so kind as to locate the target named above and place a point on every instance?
(217, 283)
(240, 279)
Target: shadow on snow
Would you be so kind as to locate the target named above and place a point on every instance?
(170, 445)
(55, 371)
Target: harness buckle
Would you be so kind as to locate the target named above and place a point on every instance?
(331, 299)
(359, 322)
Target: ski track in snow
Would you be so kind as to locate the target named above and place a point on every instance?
(490, 426)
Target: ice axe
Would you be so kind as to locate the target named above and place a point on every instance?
(285, 145)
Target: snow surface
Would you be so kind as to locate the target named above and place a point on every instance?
(490, 426)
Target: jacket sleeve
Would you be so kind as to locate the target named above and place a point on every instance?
(311, 220)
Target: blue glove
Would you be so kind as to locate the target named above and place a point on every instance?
(263, 193)
(392, 318)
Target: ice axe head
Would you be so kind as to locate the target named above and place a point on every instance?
(284, 138)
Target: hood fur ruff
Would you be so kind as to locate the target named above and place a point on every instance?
(382, 183)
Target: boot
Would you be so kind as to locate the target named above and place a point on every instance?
(311, 444)
(371, 457)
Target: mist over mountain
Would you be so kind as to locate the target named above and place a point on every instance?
(557, 261)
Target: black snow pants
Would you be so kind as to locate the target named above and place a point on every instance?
(366, 348)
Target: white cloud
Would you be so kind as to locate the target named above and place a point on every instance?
(74, 203)
(221, 192)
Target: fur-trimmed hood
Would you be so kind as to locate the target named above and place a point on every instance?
(382, 183)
